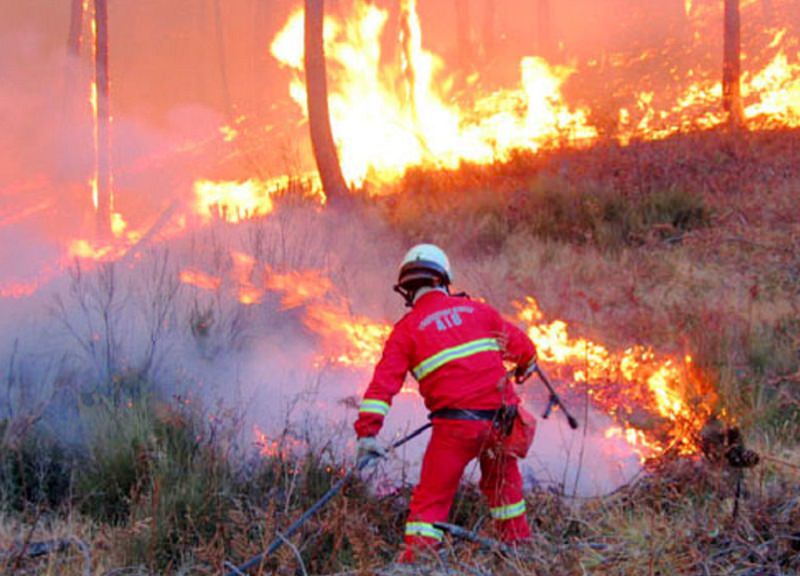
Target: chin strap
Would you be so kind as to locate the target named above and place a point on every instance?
(408, 295)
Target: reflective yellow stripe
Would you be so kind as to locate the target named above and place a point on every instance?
(424, 529)
(374, 406)
(461, 351)
(509, 512)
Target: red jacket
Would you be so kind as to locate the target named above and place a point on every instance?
(455, 348)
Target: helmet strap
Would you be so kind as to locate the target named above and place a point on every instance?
(410, 294)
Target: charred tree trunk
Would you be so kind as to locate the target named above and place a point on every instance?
(103, 151)
(731, 66)
(489, 11)
(462, 32)
(544, 37)
(73, 103)
(330, 172)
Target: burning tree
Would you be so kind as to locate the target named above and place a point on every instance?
(731, 67)
(330, 171)
(103, 196)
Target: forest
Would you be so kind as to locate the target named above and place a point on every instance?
(204, 207)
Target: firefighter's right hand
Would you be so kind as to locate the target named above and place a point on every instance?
(523, 372)
(368, 446)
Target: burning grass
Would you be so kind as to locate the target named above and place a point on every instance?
(191, 510)
(686, 246)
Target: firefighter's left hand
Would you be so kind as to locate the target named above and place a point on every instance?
(368, 446)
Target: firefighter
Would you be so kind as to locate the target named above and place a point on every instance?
(455, 348)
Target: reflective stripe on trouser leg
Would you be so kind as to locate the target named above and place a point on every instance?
(501, 482)
(452, 445)
(509, 511)
(425, 529)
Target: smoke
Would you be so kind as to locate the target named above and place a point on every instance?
(169, 99)
(133, 323)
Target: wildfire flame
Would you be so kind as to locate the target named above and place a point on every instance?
(234, 201)
(381, 130)
(661, 401)
(357, 340)
(298, 287)
(281, 447)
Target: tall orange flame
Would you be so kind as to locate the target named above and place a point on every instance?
(661, 401)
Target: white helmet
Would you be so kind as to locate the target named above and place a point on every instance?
(423, 265)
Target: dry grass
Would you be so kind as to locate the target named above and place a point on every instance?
(691, 244)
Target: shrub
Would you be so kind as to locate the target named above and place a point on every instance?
(490, 204)
(35, 470)
(160, 470)
(119, 439)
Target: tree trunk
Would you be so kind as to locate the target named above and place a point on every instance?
(103, 151)
(330, 172)
(731, 66)
(544, 37)
(489, 11)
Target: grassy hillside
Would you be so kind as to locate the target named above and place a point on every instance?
(690, 244)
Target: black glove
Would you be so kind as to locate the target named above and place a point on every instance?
(523, 372)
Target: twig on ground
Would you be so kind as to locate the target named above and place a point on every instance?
(295, 550)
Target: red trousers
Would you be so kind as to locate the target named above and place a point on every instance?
(453, 445)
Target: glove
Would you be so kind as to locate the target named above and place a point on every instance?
(368, 446)
(522, 373)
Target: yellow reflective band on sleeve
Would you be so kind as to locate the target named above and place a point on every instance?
(374, 407)
(424, 529)
(449, 354)
(508, 512)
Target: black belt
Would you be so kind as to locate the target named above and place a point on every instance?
(503, 418)
(465, 414)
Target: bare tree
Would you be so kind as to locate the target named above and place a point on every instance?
(731, 66)
(103, 151)
(330, 172)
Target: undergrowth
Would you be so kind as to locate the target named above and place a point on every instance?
(687, 245)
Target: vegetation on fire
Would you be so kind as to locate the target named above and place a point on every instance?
(689, 244)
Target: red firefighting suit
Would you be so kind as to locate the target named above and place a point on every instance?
(455, 348)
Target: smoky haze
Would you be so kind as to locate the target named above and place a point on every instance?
(181, 69)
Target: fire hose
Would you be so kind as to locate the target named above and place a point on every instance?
(554, 401)
(283, 538)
